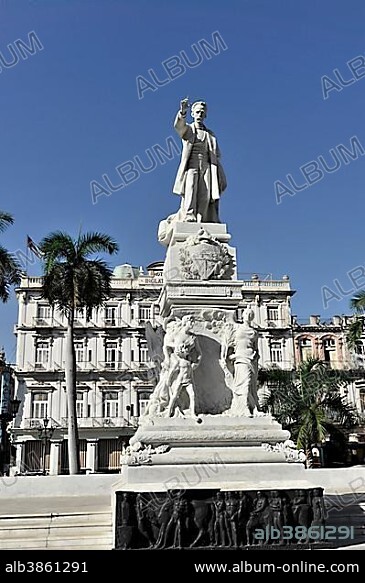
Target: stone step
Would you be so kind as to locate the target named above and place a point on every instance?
(74, 531)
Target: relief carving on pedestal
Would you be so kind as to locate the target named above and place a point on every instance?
(203, 257)
(182, 519)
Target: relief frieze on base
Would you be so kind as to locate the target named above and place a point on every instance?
(188, 519)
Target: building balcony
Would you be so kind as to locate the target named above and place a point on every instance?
(141, 322)
(141, 281)
(86, 366)
(279, 323)
(89, 422)
(335, 364)
(49, 322)
(282, 364)
(84, 323)
(39, 323)
(113, 366)
(137, 365)
(40, 367)
(115, 323)
(37, 423)
(261, 284)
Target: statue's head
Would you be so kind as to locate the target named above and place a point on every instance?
(199, 110)
(188, 321)
(248, 315)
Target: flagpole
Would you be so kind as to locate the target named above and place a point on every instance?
(26, 256)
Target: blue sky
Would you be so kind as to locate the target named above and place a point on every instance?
(70, 112)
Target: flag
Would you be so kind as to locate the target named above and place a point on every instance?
(34, 248)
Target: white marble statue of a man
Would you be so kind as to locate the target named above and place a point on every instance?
(200, 178)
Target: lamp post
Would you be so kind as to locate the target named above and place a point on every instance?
(6, 418)
(8, 410)
(45, 434)
(130, 409)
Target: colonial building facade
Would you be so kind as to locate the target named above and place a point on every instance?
(326, 340)
(115, 372)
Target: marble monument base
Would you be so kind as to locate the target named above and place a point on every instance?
(170, 489)
(212, 451)
(221, 513)
(209, 430)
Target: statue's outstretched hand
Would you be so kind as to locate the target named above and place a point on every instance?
(184, 104)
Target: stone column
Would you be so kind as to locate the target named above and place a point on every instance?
(92, 455)
(85, 403)
(19, 456)
(54, 460)
(99, 404)
(120, 404)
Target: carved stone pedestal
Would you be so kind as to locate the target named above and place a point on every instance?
(219, 518)
(181, 468)
(206, 467)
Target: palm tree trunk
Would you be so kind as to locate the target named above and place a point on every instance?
(309, 461)
(70, 378)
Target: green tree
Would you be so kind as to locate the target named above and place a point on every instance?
(10, 271)
(72, 281)
(356, 327)
(308, 403)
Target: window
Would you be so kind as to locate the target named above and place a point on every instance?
(79, 351)
(79, 404)
(239, 313)
(362, 401)
(359, 348)
(276, 354)
(43, 311)
(305, 347)
(273, 313)
(143, 399)
(143, 353)
(110, 404)
(111, 355)
(144, 312)
(80, 317)
(111, 315)
(41, 355)
(329, 349)
(39, 405)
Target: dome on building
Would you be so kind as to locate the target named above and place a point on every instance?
(125, 271)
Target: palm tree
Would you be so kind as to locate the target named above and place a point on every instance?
(10, 271)
(356, 327)
(72, 281)
(308, 403)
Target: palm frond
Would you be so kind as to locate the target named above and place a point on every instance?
(354, 332)
(6, 219)
(308, 402)
(10, 273)
(57, 246)
(72, 280)
(357, 302)
(96, 243)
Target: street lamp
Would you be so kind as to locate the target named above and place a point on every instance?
(7, 417)
(14, 407)
(130, 409)
(45, 434)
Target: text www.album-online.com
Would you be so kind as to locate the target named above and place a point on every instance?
(297, 567)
